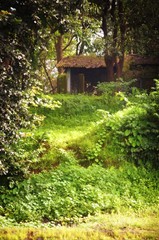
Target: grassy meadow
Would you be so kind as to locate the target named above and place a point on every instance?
(79, 182)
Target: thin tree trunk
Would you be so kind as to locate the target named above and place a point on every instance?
(122, 25)
(59, 50)
(110, 67)
(45, 69)
(119, 66)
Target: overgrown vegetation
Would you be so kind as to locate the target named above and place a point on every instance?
(130, 133)
(81, 161)
(65, 157)
(14, 83)
(71, 192)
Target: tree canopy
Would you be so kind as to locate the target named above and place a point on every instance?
(128, 27)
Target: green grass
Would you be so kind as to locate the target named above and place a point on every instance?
(102, 227)
(62, 127)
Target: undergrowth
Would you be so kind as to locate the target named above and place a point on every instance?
(71, 192)
(87, 158)
(77, 116)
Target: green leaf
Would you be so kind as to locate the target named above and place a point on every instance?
(127, 132)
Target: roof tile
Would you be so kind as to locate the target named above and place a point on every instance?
(82, 62)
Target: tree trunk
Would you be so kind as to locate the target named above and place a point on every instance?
(110, 67)
(119, 66)
(59, 50)
(46, 72)
(113, 13)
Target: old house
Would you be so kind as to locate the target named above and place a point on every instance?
(83, 72)
(143, 68)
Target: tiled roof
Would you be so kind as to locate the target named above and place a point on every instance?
(82, 62)
(98, 62)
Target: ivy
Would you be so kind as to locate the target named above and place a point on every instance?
(15, 80)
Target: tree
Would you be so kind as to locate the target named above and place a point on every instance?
(79, 35)
(143, 27)
(62, 42)
(112, 15)
(128, 26)
(22, 27)
(15, 80)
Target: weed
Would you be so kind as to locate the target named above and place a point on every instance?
(71, 192)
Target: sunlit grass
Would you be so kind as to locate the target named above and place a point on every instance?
(60, 137)
(72, 122)
(102, 227)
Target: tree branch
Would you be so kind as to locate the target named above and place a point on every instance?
(68, 44)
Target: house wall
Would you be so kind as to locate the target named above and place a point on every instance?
(68, 76)
(91, 77)
(144, 73)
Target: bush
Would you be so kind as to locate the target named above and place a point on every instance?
(15, 80)
(131, 133)
(110, 88)
(62, 83)
(134, 130)
(112, 93)
(68, 193)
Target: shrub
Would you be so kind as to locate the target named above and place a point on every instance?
(112, 93)
(62, 83)
(134, 130)
(68, 193)
(110, 88)
(131, 133)
(15, 80)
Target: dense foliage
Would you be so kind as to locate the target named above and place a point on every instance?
(81, 132)
(95, 153)
(134, 130)
(25, 29)
(15, 80)
(130, 132)
(71, 192)
(23, 25)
